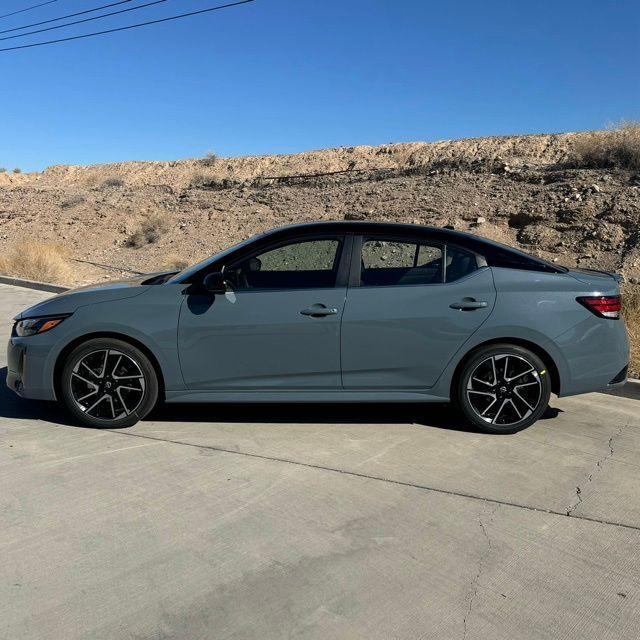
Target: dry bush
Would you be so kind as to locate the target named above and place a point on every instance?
(175, 263)
(617, 148)
(151, 228)
(3, 170)
(36, 261)
(631, 302)
(112, 183)
(17, 170)
(209, 160)
(202, 181)
(72, 201)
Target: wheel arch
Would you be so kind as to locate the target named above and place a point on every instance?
(544, 355)
(68, 348)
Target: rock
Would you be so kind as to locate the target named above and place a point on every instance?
(596, 188)
(480, 220)
(355, 215)
(538, 235)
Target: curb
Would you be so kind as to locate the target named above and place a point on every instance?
(630, 390)
(32, 284)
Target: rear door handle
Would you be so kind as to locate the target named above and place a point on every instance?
(469, 305)
(319, 311)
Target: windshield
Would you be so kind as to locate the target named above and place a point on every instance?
(186, 274)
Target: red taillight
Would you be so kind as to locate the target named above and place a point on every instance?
(603, 306)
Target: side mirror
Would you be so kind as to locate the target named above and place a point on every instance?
(214, 282)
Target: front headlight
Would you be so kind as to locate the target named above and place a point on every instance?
(32, 326)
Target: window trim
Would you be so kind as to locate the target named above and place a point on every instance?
(356, 261)
(343, 259)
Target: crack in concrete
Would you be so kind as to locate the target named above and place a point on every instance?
(401, 483)
(476, 579)
(597, 468)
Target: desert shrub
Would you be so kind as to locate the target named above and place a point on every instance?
(17, 170)
(72, 201)
(619, 148)
(209, 160)
(3, 170)
(150, 230)
(112, 183)
(631, 304)
(36, 261)
(175, 263)
(202, 181)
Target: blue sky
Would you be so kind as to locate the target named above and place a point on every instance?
(280, 76)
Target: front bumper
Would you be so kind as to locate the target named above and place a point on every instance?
(25, 371)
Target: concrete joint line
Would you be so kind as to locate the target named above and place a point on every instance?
(400, 483)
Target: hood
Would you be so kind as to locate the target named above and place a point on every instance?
(71, 300)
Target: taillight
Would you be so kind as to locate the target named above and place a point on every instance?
(603, 306)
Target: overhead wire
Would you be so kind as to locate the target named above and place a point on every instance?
(35, 6)
(69, 15)
(70, 24)
(128, 27)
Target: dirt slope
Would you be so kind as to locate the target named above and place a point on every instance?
(513, 189)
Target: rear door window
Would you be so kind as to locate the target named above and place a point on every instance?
(398, 263)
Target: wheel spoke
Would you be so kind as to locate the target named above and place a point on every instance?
(519, 375)
(516, 393)
(484, 413)
(482, 393)
(95, 404)
(77, 375)
(89, 369)
(495, 418)
(115, 368)
(91, 393)
(513, 404)
(104, 364)
(489, 384)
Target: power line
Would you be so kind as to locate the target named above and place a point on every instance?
(69, 24)
(131, 26)
(35, 6)
(70, 15)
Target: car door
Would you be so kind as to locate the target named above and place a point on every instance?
(278, 325)
(411, 305)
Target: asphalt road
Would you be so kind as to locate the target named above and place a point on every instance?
(318, 522)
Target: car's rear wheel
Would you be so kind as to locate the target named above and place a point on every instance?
(108, 383)
(503, 388)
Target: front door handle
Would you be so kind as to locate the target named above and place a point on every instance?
(469, 304)
(319, 311)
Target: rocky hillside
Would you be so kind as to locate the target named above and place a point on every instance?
(140, 216)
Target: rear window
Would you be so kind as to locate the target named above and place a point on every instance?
(460, 263)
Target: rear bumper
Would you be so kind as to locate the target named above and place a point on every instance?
(596, 352)
(25, 371)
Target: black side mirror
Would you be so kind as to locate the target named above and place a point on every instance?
(214, 282)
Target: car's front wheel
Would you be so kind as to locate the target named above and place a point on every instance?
(108, 383)
(503, 388)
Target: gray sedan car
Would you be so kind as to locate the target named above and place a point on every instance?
(335, 312)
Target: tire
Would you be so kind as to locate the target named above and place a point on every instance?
(108, 383)
(503, 388)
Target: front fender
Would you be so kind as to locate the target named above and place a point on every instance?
(149, 319)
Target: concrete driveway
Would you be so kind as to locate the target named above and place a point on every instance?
(321, 522)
